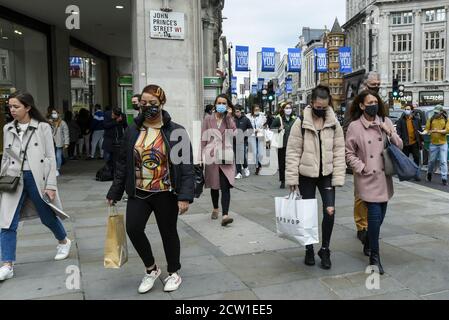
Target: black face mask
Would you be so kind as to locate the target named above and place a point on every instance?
(372, 110)
(375, 89)
(152, 112)
(136, 106)
(321, 113)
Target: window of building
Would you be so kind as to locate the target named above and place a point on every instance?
(402, 42)
(4, 66)
(435, 15)
(434, 70)
(434, 40)
(402, 18)
(403, 70)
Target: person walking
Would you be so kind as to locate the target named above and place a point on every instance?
(28, 152)
(283, 121)
(84, 120)
(365, 143)
(438, 129)
(61, 137)
(257, 139)
(408, 128)
(74, 133)
(97, 129)
(217, 132)
(155, 182)
(114, 128)
(245, 128)
(315, 158)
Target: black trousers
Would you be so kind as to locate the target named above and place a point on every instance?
(71, 150)
(165, 207)
(281, 163)
(414, 150)
(225, 188)
(238, 166)
(307, 187)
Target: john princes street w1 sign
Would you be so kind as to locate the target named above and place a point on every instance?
(167, 25)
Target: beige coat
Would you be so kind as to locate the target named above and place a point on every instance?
(41, 158)
(302, 156)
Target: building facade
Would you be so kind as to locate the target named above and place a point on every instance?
(403, 39)
(333, 41)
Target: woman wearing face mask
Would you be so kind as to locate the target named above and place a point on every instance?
(156, 180)
(408, 128)
(316, 159)
(284, 121)
(61, 137)
(257, 139)
(365, 142)
(217, 132)
(28, 153)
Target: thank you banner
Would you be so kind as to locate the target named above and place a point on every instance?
(321, 59)
(294, 60)
(268, 60)
(241, 58)
(345, 54)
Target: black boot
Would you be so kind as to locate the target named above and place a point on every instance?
(310, 256)
(282, 185)
(362, 235)
(325, 255)
(366, 249)
(374, 260)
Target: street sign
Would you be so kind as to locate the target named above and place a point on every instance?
(167, 25)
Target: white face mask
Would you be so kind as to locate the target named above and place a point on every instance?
(408, 112)
(288, 112)
(256, 113)
(54, 116)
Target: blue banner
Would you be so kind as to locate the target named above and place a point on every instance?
(289, 85)
(241, 58)
(345, 54)
(254, 89)
(321, 59)
(260, 83)
(294, 60)
(268, 60)
(234, 85)
(278, 92)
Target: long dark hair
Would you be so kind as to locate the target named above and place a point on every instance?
(27, 100)
(322, 92)
(355, 111)
(228, 102)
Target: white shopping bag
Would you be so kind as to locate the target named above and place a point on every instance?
(297, 219)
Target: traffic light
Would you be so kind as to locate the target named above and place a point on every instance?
(395, 88)
(401, 90)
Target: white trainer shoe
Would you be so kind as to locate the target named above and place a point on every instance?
(172, 282)
(63, 250)
(238, 176)
(148, 281)
(6, 272)
(246, 171)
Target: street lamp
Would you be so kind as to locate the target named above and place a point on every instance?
(370, 22)
(230, 70)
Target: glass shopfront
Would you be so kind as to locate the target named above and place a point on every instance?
(23, 66)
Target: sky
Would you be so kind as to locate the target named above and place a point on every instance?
(276, 23)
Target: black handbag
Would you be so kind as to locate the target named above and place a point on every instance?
(8, 183)
(199, 180)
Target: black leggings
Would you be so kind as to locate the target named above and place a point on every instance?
(225, 188)
(307, 187)
(165, 207)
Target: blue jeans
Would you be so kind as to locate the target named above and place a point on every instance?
(59, 157)
(8, 237)
(438, 151)
(376, 216)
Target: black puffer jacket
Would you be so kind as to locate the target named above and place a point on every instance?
(181, 175)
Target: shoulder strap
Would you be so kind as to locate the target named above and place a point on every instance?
(25, 150)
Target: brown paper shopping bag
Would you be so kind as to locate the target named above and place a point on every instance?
(115, 248)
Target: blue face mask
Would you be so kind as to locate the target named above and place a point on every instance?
(221, 108)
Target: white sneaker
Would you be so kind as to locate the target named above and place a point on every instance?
(63, 250)
(246, 171)
(238, 176)
(172, 282)
(148, 281)
(57, 173)
(6, 272)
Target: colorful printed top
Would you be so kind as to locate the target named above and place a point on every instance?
(152, 168)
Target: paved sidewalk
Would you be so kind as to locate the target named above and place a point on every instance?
(246, 260)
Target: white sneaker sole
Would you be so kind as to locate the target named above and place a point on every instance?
(9, 276)
(173, 289)
(148, 290)
(59, 258)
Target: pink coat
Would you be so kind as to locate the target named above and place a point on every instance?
(210, 138)
(364, 148)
